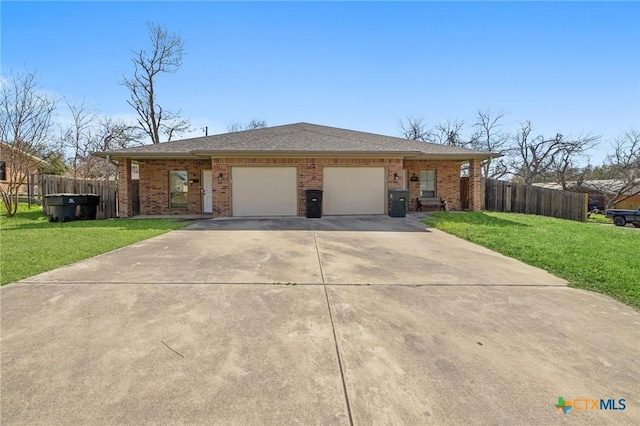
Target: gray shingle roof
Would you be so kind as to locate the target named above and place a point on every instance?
(299, 138)
(608, 186)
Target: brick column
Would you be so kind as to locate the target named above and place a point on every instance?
(309, 177)
(221, 190)
(475, 186)
(394, 167)
(125, 205)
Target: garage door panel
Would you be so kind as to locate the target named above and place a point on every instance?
(264, 191)
(354, 190)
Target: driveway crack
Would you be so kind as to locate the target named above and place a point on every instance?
(333, 329)
(315, 240)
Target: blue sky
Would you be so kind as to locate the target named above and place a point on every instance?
(567, 67)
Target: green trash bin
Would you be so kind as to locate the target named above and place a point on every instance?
(88, 206)
(398, 203)
(63, 206)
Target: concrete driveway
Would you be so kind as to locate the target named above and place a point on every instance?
(362, 320)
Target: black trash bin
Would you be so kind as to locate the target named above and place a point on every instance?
(314, 203)
(398, 203)
(63, 206)
(88, 206)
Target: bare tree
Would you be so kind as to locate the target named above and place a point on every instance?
(251, 125)
(414, 128)
(539, 157)
(109, 135)
(116, 134)
(449, 133)
(490, 137)
(565, 166)
(78, 137)
(165, 57)
(89, 133)
(573, 178)
(536, 155)
(25, 125)
(624, 166)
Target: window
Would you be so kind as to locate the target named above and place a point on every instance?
(135, 171)
(3, 171)
(178, 189)
(428, 184)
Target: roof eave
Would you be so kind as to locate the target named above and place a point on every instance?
(200, 154)
(460, 156)
(148, 155)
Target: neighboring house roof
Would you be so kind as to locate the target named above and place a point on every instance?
(610, 186)
(6, 146)
(299, 139)
(548, 185)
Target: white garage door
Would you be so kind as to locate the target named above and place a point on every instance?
(264, 191)
(353, 190)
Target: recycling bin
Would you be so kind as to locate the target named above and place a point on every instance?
(88, 206)
(314, 203)
(63, 206)
(398, 203)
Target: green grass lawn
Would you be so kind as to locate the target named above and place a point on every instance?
(29, 244)
(591, 256)
(598, 218)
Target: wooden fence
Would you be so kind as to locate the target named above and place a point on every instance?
(58, 184)
(503, 196)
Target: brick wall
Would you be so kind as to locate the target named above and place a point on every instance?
(221, 190)
(309, 175)
(447, 180)
(475, 186)
(154, 185)
(125, 205)
(154, 180)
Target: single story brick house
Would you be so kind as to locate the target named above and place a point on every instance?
(265, 172)
(17, 168)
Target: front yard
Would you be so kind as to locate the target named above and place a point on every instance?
(590, 256)
(29, 244)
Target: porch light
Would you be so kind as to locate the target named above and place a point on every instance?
(395, 177)
(220, 178)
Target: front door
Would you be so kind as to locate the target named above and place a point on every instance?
(207, 191)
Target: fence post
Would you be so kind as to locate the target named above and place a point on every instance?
(29, 192)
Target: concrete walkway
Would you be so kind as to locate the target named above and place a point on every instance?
(367, 320)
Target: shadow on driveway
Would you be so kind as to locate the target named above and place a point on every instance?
(375, 223)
